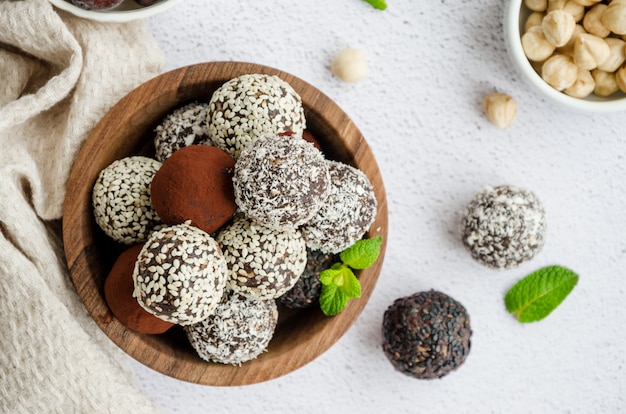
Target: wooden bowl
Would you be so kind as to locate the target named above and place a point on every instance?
(126, 130)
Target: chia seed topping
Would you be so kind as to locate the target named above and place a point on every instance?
(347, 213)
(239, 330)
(426, 335)
(246, 107)
(281, 182)
(504, 226)
(262, 263)
(121, 199)
(180, 274)
(184, 126)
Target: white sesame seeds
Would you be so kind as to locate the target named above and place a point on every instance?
(121, 199)
(182, 127)
(186, 291)
(251, 105)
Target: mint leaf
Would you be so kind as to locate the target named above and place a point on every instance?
(538, 294)
(331, 300)
(377, 4)
(339, 284)
(362, 254)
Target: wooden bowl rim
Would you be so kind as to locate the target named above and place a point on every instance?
(80, 246)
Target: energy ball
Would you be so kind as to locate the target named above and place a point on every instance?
(195, 184)
(426, 335)
(347, 213)
(238, 331)
(187, 125)
(504, 226)
(308, 288)
(262, 263)
(281, 182)
(180, 274)
(121, 199)
(252, 105)
(118, 292)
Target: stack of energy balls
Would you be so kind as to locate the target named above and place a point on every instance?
(238, 210)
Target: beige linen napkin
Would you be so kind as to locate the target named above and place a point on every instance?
(58, 75)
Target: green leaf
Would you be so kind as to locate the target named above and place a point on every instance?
(327, 277)
(332, 301)
(538, 294)
(338, 286)
(377, 4)
(363, 253)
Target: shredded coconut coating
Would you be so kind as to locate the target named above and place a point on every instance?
(249, 106)
(121, 199)
(281, 182)
(240, 330)
(262, 263)
(180, 274)
(347, 214)
(504, 226)
(187, 125)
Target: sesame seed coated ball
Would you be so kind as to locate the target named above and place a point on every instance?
(262, 263)
(187, 125)
(180, 274)
(121, 199)
(239, 330)
(248, 106)
(504, 226)
(426, 335)
(281, 182)
(347, 213)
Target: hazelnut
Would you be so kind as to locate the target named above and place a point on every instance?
(568, 49)
(576, 10)
(534, 19)
(558, 27)
(536, 5)
(556, 5)
(606, 84)
(590, 51)
(583, 86)
(500, 109)
(349, 65)
(587, 3)
(559, 71)
(614, 17)
(617, 55)
(592, 21)
(620, 78)
(535, 45)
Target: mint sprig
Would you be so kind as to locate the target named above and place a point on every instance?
(339, 283)
(377, 4)
(538, 294)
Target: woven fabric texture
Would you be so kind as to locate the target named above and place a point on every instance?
(58, 75)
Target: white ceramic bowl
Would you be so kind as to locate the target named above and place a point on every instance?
(127, 11)
(514, 18)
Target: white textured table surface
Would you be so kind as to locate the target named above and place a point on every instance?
(430, 65)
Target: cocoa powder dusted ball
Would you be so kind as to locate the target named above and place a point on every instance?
(180, 274)
(118, 292)
(121, 199)
(346, 214)
(252, 105)
(281, 182)
(184, 126)
(262, 263)
(426, 335)
(239, 330)
(195, 184)
(504, 226)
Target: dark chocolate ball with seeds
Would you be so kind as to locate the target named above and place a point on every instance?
(180, 275)
(185, 126)
(239, 330)
(504, 226)
(252, 105)
(121, 199)
(426, 335)
(307, 289)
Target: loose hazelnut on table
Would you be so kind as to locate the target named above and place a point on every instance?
(500, 109)
(349, 65)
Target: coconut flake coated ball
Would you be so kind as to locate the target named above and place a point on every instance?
(122, 201)
(184, 126)
(426, 335)
(262, 263)
(504, 226)
(281, 182)
(180, 274)
(252, 105)
(240, 330)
